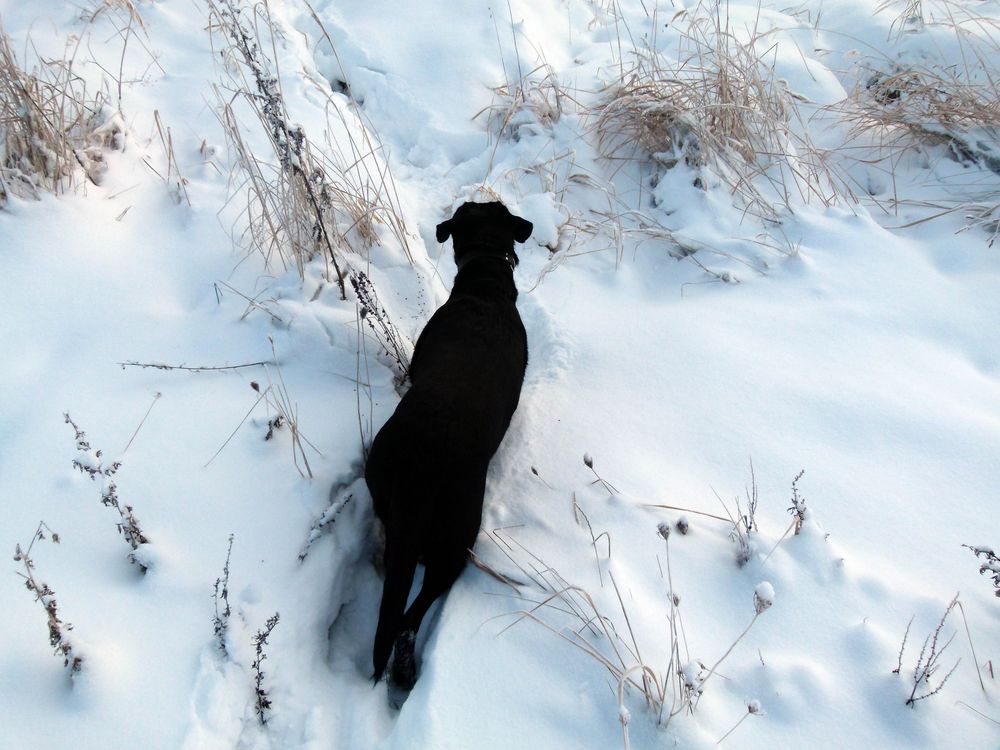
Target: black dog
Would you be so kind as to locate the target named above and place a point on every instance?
(427, 466)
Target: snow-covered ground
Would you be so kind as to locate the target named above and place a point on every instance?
(839, 336)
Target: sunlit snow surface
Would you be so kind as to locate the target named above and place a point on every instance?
(850, 342)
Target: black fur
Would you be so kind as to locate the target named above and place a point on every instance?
(427, 466)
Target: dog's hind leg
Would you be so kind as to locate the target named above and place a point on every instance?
(400, 563)
(452, 533)
(441, 571)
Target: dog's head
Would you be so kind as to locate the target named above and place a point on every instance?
(481, 225)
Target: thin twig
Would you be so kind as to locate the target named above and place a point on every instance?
(162, 366)
(687, 510)
(156, 398)
(975, 659)
(231, 436)
(977, 711)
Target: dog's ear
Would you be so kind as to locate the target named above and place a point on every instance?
(522, 228)
(444, 230)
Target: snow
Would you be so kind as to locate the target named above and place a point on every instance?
(852, 340)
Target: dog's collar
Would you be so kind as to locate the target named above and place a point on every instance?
(485, 251)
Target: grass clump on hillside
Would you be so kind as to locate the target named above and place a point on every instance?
(720, 109)
(52, 127)
(943, 99)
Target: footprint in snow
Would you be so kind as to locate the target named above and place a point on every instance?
(549, 347)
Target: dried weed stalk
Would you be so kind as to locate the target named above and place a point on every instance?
(928, 662)
(262, 702)
(798, 507)
(91, 462)
(341, 497)
(47, 598)
(220, 623)
(753, 709)
(588, 461)
(800, 513)
(190, 368)
(371, 310)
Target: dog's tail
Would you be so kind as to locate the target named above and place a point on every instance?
(401, 555)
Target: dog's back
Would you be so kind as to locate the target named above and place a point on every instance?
(427, 466)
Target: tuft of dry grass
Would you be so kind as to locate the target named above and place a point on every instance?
(51, 125)
(278, 401)
(535, 102)
(912, 105)
(951, 101)
(721, 110)
(583, 623)
(175, 181)
(744, 520)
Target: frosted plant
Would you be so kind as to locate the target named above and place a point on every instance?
(928, 662)
(990, 566)
(47, 598)
(91, 462)
(262, 699)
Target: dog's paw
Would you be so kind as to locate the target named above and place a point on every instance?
(403, 670)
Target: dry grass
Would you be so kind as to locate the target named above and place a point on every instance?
(126, 7)
(539, 93)
(590, 628)
(175, 181)
(721, 110)
(302, 201)
(913, 105)
(50, 125)
(903, 103)
(278, 402)
(536, 102)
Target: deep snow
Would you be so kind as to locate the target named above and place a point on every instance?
(867, 357)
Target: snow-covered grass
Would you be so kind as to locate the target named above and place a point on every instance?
(761, 303)
(709, 95)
